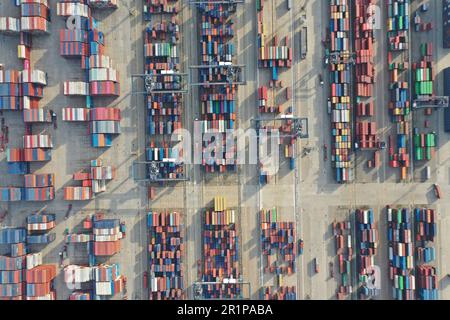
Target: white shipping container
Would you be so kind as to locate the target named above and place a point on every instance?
(72, 9)
(98, 186)
(9, 24)
(33, 76)
(75, 114)
(34, 24)
(77, 274)
(102, 173)
(37, 141)
(34, 260)
(41, 226)
(99, 61)
(103, 74)
(104, 238)
(44, 2)
(112, 127)
(76, 88)
(103, 288)
(104, 232)
(26, 103)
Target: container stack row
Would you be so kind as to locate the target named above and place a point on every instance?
(164, 107)
(264, 105)
(34, 18)
(23, 276)
(92, 182)
(94, 283)
(87, 43)
(344, 249)
(399, 86)
(271, 55)
(364, 75)
(280, 293)
(401, 253)
(163, 84)
(104, 3)
(21, 90)
(367, 238)
(446, 23)
(424, 145)
(286, 138)
(152, 7)
(217, 92)
(425, 226)
(424, 72)
(220, 253)
(446, 73)
(168, 161)
(38, 226)
(101, 235)
(277, 241)
(37, 187)
(341, 104)
(40, 222)
(166, 251)
(104, 123)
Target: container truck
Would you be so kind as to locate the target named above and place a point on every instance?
(304, 42)
(437, 191)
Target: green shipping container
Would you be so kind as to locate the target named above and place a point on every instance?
(428, 153)
(400, 283)
(418, 153)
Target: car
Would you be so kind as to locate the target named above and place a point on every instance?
(316, 266)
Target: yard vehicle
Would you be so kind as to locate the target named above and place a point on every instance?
(437, 191)
(316, 266)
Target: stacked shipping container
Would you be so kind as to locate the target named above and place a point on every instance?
(101, 79)
(166, 250)
(401, 253)
(344, 250)
(424, 72)
(398, 62)
(164, 99)
(22, 275)
(105, 281)
(341, 105)
(365, 73)
(281, 293)
(274, 55)
(92, 182)
(425, 231)
(277, 238)
(218, 94)
(159, 7)
(424, 145)
(367, 239)
(446, 23)
(220, 253)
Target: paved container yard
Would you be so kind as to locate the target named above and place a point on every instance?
(308, 195)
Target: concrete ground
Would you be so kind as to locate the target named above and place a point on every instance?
(308, 195)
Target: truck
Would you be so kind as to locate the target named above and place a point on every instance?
(316, 266)
(437, 191)
(289, 4)
(427, 173)
(304, 42)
